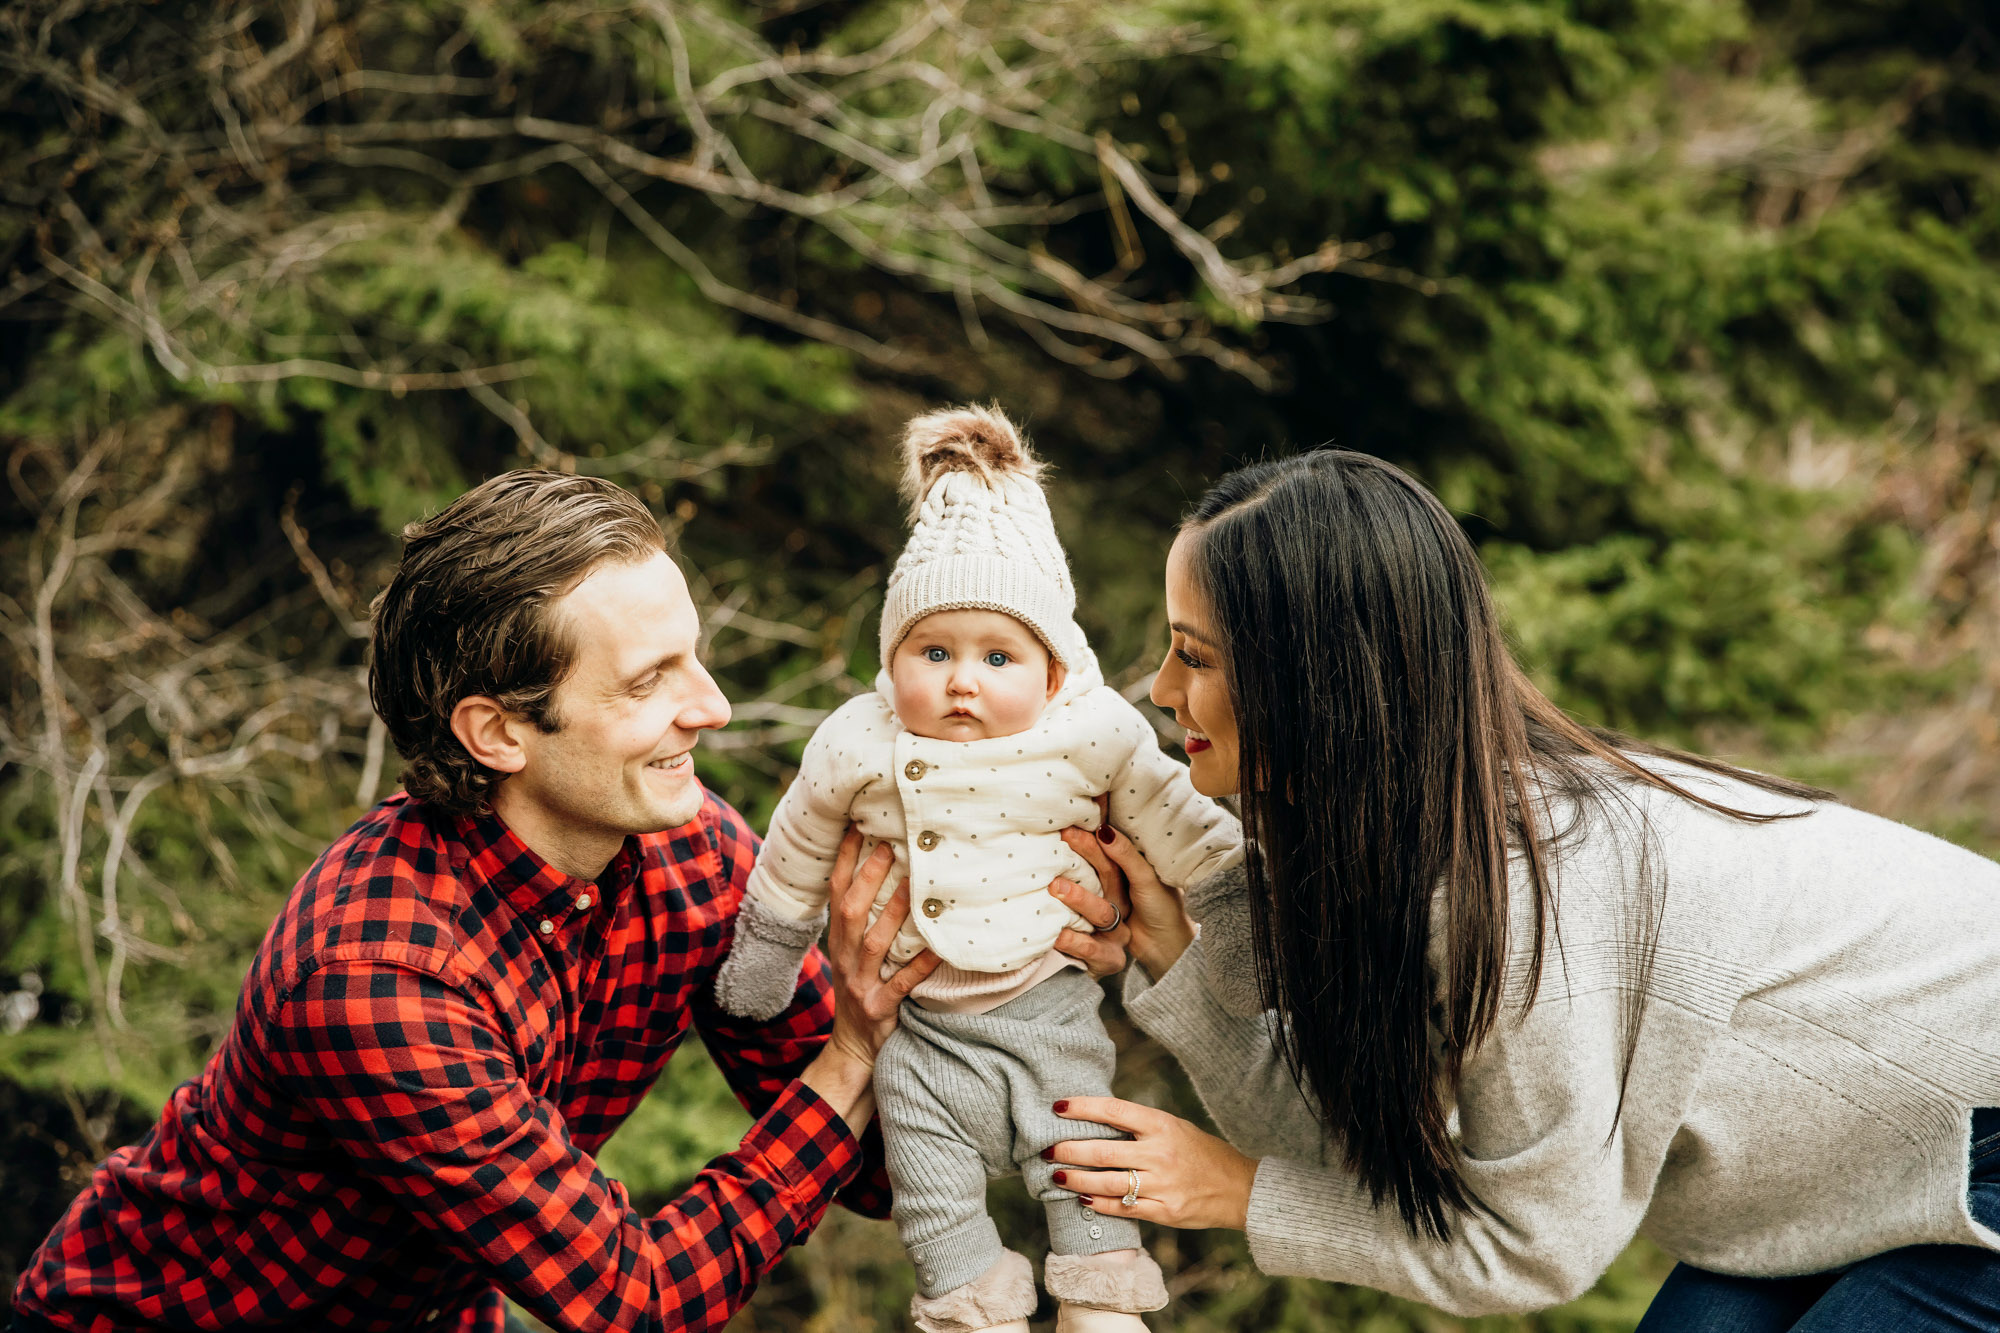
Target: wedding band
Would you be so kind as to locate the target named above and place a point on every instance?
(1131, 1191)
(1117, 915)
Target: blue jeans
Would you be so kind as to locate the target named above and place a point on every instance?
(1912, 1290)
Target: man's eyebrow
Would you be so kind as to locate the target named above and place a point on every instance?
(658, 664)
(1182, 627)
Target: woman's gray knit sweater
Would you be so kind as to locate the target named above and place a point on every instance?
(1822, 1014)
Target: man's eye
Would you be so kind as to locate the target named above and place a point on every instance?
(1189, 660)
(936, 655)
(648, 685)
(997, 659)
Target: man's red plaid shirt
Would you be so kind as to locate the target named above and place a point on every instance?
(437, 1034)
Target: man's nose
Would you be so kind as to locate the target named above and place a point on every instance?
(706, 708)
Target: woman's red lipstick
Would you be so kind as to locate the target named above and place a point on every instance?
(1195, 745)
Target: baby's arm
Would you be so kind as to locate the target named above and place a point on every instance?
(783, 911)
(1185, 835)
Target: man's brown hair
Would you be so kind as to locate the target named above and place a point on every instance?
(468, 612)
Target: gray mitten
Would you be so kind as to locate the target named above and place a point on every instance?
(1222, 904)
(762, 971)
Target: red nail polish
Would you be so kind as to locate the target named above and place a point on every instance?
(1105, 835)
(1061, 1107)
(1062, 1177)
(1048, 1154)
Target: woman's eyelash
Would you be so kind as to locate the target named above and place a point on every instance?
(1189, 659)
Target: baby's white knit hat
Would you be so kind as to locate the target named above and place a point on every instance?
(981, 537)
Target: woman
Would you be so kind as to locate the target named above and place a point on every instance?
(1519, 989)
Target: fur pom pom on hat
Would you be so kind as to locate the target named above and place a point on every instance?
(980, 533)
(978, 440)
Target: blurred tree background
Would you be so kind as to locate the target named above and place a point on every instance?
(1691, 310)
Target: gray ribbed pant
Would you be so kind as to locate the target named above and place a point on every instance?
(968, 1096)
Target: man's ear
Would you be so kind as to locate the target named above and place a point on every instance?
(489, 733)
(1058, 673)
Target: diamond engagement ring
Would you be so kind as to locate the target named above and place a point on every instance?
(1131, 1190)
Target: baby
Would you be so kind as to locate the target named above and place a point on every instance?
(989, 731)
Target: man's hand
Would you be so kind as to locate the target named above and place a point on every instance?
(864, 1005)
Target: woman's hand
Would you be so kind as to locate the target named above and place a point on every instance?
(1152, 919)
(1102, 952)
(864, 1005)
(1187, 1178)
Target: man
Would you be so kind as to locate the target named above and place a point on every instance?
(476, 984)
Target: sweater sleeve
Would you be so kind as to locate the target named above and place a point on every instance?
(1185, 835)
(1231, 1057)
(795, 867)
(1536, 1107)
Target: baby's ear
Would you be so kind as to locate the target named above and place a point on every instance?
(1058, 673)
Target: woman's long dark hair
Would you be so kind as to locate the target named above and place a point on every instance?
(1391, 750)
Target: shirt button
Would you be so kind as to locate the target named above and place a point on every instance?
(933, 907)
(1097, 1233)
(547, 927)
(915, 769)
(583, 902)
(927, 840)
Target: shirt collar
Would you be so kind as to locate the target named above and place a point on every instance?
(527, 883)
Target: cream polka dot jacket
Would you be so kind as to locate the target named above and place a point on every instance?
(976, 825)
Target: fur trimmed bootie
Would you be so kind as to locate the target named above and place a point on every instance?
(997, 1301)
(1103, 1293)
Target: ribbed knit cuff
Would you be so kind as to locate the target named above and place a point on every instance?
(1075, 1229)
(954, 1259)
(1311, 1222)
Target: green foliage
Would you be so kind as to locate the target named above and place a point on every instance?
(1602, 354)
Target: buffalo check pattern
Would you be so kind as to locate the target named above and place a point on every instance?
(439, 1031)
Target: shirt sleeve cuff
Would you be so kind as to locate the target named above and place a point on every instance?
(806, 1145)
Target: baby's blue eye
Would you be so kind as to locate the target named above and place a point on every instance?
(936, 655)
(997, 659)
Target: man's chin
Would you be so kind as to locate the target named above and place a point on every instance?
(684, 806)
(670, 802)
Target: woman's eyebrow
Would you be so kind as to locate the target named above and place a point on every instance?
(1182, 627)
